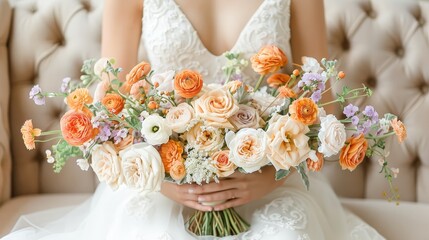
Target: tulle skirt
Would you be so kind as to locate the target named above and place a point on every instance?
(289, 212)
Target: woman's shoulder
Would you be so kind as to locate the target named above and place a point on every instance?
(131, 6)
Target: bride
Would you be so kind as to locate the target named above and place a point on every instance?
(181, 34)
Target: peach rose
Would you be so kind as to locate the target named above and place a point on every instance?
(304, 110)
(113, 102)
(222, 164)
(179, 117)
(177, 171)
(399, 128)
(137, 73)
(215, 107)
(353, 152)
(316, 166)
(76, 128)
(28, 134)
(278, 79)
(127, 141)
(233, 86)
(101, 90)
(188, 83)
(135, 89)
(106, 164)
(204, 138)
(78, 98)
(268, 60)
(286, 92)
(170, 153)
(287, 142)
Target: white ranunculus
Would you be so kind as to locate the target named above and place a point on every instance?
(165, 81)
(332, 135)
(310, 65)
(179, 117)
(155, 130)
(83, 164)
(142, 167)
(106, 164)
(100, 66)
(246, 117)
(247, 148)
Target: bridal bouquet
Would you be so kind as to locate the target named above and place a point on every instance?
(172, 126)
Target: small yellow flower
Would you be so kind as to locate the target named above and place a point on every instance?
(29, 133)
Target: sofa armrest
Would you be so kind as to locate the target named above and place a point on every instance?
(5, 159)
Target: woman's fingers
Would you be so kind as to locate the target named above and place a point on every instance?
(198, 206)
(230, 203)
(220, 196)
(213, 187)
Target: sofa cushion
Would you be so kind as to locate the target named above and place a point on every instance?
(5, 160)
(13, 209)
(395, 222)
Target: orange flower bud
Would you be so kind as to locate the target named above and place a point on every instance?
(152, 105)
(295, 72)
(341, 75)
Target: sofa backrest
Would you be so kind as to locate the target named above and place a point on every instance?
(384, 44)
(5, 160)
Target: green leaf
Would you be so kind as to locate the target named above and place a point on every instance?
(301, 170)
(282, 173)
(63, 151)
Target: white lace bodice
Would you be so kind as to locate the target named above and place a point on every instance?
(172, 43)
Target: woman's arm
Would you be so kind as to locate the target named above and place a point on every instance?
(121, 31)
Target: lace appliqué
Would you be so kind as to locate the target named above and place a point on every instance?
(281, 213)
(138, 206)
(361, 230)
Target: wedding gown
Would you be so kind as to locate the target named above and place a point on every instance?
(289, 212)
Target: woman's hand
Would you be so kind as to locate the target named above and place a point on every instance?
(184, 195)
(238, 189)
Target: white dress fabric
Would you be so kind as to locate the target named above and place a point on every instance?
(289, 212)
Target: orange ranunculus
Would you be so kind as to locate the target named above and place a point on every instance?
(136, 74)
(353, 152)
(170, 152)
(78, 98)
(278, 79)
(286, 92)
(268, 60)
(316, 166)
(177, 170)
(28, 134)
(188, 83)
(76, 128)
(304, 110)
(399, 128)
(113, 102)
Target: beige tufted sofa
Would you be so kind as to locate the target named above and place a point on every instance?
(381, 43)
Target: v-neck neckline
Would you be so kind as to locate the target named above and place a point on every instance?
(237, 41)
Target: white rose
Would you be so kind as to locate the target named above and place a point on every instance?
(246, 117)
(179, 117)
(155, 130)
(332, 135)
(142, 167)
(100, 66)
(204, 138)
(310, 65)
(265, 102)
(165, 81)
(106, 164)
(83, 164)
(247, 148)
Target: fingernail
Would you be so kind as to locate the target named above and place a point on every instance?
(200, 199)
(191, 190)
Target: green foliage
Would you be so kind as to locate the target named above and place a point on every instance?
(63, 151)
(282, 173)
(301, 170)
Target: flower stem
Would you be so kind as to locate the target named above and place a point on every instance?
(259, 82)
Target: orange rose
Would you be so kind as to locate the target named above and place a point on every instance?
(113, 102)
(28, 134)
(177, 171)
(78, 98)
(170, 152)
(278, 79)
(286, 92)
(76, 128)
(353, 152)
(137, 73)
(304, 110)
(399, 128)
(316, 166)
(188, 83)
(268, 60)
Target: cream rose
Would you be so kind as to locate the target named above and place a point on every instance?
(204, 138)
(142, 167)
(106, 164)
(332, 135)
(265, 102)
(246, 117)
(215, 107)
(221, 162)
(287, 142)
(155, 130)
(179, 117)
(165, 81)
(247, 148)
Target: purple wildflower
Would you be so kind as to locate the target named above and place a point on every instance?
(350, 110)
(355, 120)
(369, 111)
(365, 127)
(374, 118)
(119, 135)
(36, 95)
(316, 96)
(65, 85)
(104, 133)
